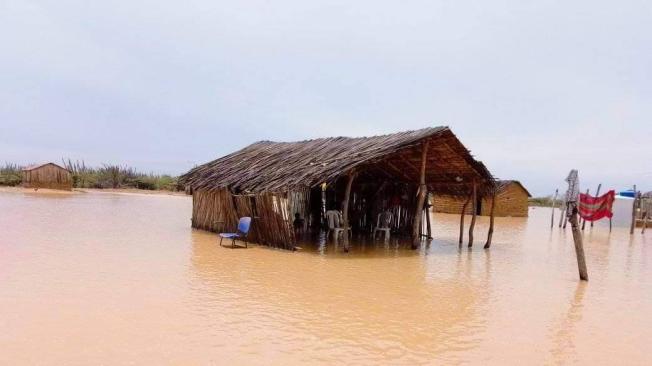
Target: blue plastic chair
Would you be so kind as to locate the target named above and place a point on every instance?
(243, 229)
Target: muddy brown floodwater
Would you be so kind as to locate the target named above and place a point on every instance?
(89, 279)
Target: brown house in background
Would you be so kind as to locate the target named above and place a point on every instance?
(511, 200)
(48, 175)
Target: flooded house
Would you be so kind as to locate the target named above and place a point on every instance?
(47, 175)
(511, 201)
(362, 179)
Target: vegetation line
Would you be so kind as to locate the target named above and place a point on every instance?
(106, 176)
(544, 201)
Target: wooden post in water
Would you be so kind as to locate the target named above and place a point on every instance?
(345, 210)
(584, 221)
(464, 206)
(421, 197)
(646, 215)
(554, 202)
(563, 215)
(427, 210)
(475, 212)
(579, 247)
(597, 194)
(572, 197)
(631, 228)
(490, 235)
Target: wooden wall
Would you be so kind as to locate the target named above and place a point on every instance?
(450, 204)
(512, 200)
(219, 211)
(47, 176)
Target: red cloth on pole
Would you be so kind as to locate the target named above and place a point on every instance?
(595, 208)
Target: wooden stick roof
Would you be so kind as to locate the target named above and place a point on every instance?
(503, 184)
(268, 166)
(36, 166)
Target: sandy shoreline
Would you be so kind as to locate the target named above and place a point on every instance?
(127, 191)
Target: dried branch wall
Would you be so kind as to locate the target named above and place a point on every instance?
(219, 211)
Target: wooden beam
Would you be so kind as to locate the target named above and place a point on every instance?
(421, 197)
(577, 239)
(464, 206)
(408, 162)
(554, 202)
(491, 221)
(399, 171)
(475, 212)
(427, 209)
(597, 194)
(345, 210)
(646, 215)
(631, 229)
(563, 214)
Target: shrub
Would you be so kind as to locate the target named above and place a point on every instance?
(11, 175)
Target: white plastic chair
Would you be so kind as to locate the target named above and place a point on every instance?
(383, 224)
(335, 222)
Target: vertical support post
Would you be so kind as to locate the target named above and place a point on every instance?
(584, 221)
(464, 206)
(491, 221)
(554, 202)
(345, 210)
(597, 194)
(646, 215)
(577, 239)
(421, 197)
(563, 215)
(631, 229)
(427, 210)
(475, 212)
(322, 209)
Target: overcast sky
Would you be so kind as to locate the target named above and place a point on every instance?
(533, 88)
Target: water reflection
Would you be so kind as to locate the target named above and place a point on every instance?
(366, 304)
(563, 349)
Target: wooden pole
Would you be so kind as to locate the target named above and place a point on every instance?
(579, 247)
(584, 221)
(554, 202)
(345, 209)
(475, 212)
(563, 215)
(421, 197)
(464, 206)
(597, 194)
(427, 209)
(631, 229)
(491, 221)
(646, 215)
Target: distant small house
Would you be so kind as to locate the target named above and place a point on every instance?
(511, 200)
(48, 175)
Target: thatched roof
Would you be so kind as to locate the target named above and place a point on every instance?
(36, 166)
(503, 184)
(268, 166)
